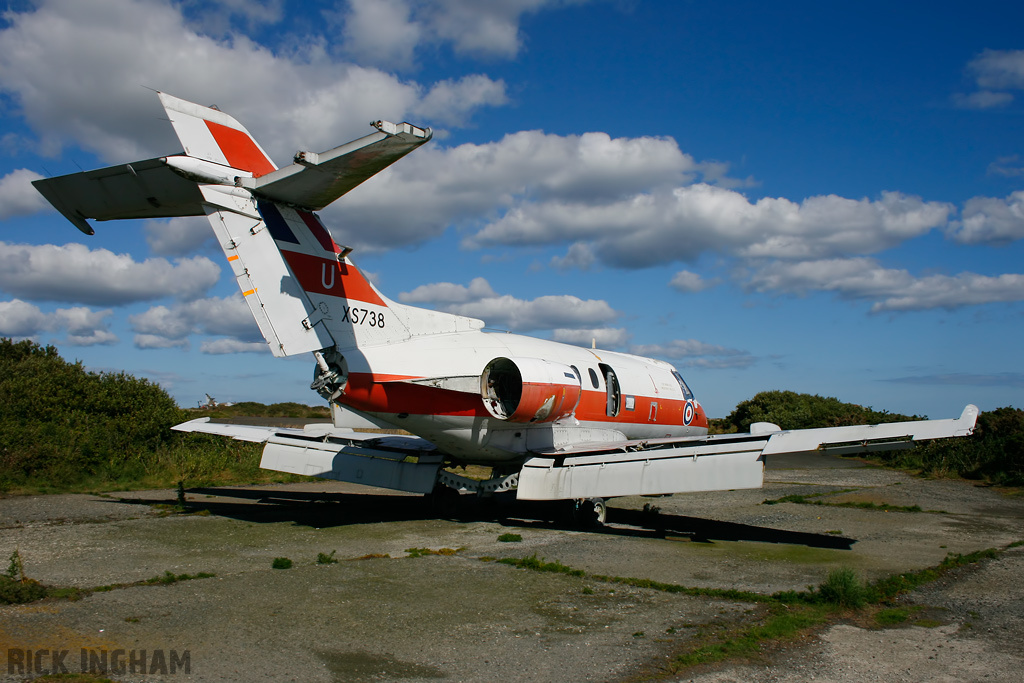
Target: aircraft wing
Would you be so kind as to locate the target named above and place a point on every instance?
(709, 463)
(402, 463)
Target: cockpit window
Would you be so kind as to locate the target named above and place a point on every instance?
(687, 394)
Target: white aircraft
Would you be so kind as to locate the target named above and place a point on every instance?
(554, 421)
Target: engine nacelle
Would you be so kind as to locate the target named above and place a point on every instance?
(529, 390)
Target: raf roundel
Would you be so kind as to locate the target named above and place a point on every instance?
(688, 413)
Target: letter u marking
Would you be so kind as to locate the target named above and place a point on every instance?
(323, 276)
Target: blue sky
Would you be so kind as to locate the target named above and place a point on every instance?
(808, 196)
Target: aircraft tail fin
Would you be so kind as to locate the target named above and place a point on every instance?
(211, 135)
(303, 291)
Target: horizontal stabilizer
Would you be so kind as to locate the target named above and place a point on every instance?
(141, 189)
(316, 180)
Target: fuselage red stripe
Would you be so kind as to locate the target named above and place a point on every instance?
(386, 394)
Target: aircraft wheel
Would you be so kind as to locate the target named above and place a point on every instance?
(588, 512)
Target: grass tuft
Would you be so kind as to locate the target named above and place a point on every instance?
(843, 588)
(281, 563)
(423, 552)
(326, 558)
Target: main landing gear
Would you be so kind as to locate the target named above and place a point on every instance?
(586, 513)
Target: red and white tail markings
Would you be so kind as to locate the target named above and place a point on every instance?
(212, 135)
(240, 150)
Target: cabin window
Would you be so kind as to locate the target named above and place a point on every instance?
(687, 394)
(614, 396)
(593, 378)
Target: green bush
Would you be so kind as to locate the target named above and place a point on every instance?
(790, 410)
(995, 452)
(62, 423)
(281, 563)
(65, 428)
(843, 588)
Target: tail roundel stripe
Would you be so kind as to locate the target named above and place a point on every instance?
(331, 277)
(319, 232)
(240, 150)
(276, 224)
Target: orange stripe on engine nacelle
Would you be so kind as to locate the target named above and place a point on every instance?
(240, 150)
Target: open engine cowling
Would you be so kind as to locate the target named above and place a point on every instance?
(529, 390)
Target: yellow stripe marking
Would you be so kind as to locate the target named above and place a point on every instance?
(251, 291)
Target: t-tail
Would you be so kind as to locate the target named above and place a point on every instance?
(304, 292)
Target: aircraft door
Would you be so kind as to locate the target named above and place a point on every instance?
(614, 394)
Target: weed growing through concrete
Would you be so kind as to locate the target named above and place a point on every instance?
(892, 616)
(422, 552)
(812, 499)
(510, 538)
(539, 565)
(843, 588)
(15, 567)
(326, 558)
(15, 587)
(787, 614)
(281, 563)
(170, 577)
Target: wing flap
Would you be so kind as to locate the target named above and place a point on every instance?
(708, 463)
(682, 466)
(323, 450)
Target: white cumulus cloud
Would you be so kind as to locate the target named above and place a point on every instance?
(84, 326)
(177, 236)
(223, 346)
(75, 71)
(389, 32)
(695, 353)
(603, 337)
(479, 300)
(164, 327)
(686, 281)
(890, 289)
(990, 220)
(18, 197)
(651, 228)
(75, 273)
